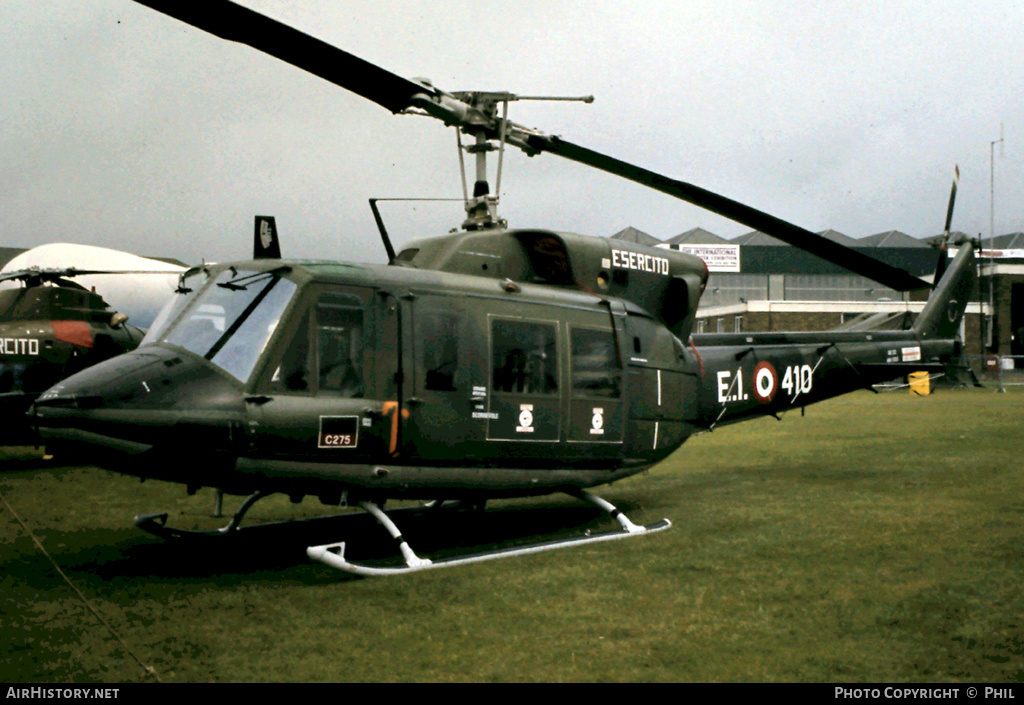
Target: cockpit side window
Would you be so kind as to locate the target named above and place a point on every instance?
(294, 373)
(339, 341)
(328, 353)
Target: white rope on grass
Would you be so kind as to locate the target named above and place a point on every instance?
(148, 669)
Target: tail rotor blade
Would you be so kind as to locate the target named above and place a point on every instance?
(952, 201)
(940, 267)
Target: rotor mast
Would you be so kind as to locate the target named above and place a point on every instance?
(475, 113)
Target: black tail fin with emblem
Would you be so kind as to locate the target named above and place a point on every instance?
(265, 243)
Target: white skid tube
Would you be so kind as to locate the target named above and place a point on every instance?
(334, 554)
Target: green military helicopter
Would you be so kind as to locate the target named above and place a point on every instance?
(487, 363)
(50, 328)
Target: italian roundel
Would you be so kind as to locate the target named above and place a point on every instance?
(766, 382)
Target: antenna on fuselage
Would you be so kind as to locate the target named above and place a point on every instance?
(388, 247)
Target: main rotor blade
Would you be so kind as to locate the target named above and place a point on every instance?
(19, 274)
(240, 24)
(234, 22)
(851, 259)
(67, 272)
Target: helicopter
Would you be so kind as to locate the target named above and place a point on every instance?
(137, 286)
(486, 363)
(54, 323)
(50, 328)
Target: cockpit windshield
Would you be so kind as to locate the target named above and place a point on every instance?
(189, 284)
(228, 321)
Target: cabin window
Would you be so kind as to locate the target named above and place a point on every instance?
(27, 377)
(438, 336)
(596, 369)
(656, 341)
(524, 358)
(339, 344)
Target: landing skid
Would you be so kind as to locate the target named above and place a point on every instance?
(156, 524)
(334, 554)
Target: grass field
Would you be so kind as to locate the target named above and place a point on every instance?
(879, 538)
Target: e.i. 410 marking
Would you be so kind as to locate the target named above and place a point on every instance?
(797, 380)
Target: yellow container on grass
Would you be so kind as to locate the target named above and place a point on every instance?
(920, 383)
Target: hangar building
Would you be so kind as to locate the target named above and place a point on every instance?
(759, 283)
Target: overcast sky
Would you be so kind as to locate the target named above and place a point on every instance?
(124, 128)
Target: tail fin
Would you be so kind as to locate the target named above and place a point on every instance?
(265, 243)
(948, 301)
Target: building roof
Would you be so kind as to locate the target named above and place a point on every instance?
(9, 253)
(890, 238)
(697, 236)
(954, 236)
(756, 237)
(836, 236)
(1010, 241)
(631, 234)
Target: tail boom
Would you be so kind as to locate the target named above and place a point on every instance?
(755, 374)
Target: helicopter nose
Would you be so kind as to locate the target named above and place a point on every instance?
(154, 400)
